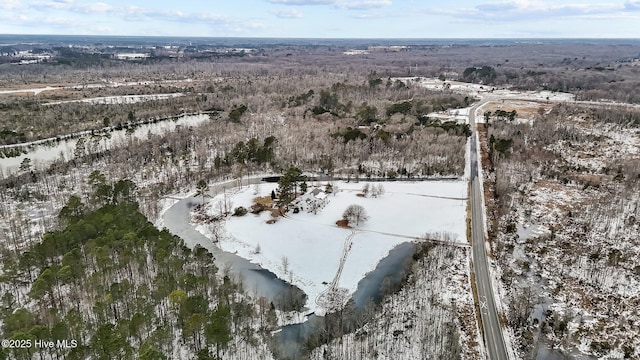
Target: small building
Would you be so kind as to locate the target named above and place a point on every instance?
(131, 56)
(316, 200)
(319, 194)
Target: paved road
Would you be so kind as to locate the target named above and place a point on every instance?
(493, 338)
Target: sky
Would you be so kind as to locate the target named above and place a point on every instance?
(326, 18)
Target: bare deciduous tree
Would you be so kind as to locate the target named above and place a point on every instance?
(365, 190)
(355, 214)
(377, 190)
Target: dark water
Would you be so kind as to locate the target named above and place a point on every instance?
(388, 274)
(257, 281)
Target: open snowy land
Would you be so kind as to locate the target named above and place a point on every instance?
(480, 90)
(311, 251)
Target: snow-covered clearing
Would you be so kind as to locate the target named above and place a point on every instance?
(35, 91)
(458, 115)
(104, 84)
(307, 249)
(487, 90)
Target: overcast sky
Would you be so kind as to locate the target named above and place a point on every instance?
(326, 18)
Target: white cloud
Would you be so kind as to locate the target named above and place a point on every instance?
(71, 17)
(94, 8)
(288, 14)
(10, 4)
(65, 24)
(633, 5)
(522, 10)
(246, 29)
(303, 2)
(378, 15)
(59, 22)
(340, 4)
(72, 6)
(55, 4)
(363, 5)
(206, 18)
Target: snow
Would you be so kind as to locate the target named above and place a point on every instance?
(575, 228)
(356, 52)
(614, 143)
(467, 162)
(35, 91)
(314, 246)
(460, 116)
(105, 83)
(487, 90)
(122, 99)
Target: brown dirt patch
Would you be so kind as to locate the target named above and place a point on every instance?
(264, 200)
(360, 195)
(549, 184)
(277, 212)
(343, 224)
(588, 179)
(18, 94)
(525, 109)
(272, 221)
(261, 204)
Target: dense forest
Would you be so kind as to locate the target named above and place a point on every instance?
(122, 289)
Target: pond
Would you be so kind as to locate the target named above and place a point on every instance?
(43, 152)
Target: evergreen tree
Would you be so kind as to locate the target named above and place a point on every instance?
(218, 330)
(288, 185)
(202, 189)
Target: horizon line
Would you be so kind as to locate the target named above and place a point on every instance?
(332, 38)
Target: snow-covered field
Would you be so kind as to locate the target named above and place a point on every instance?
(35, 91)
(458, 115)
(307, 249)
(480, 90)
(104, 84)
